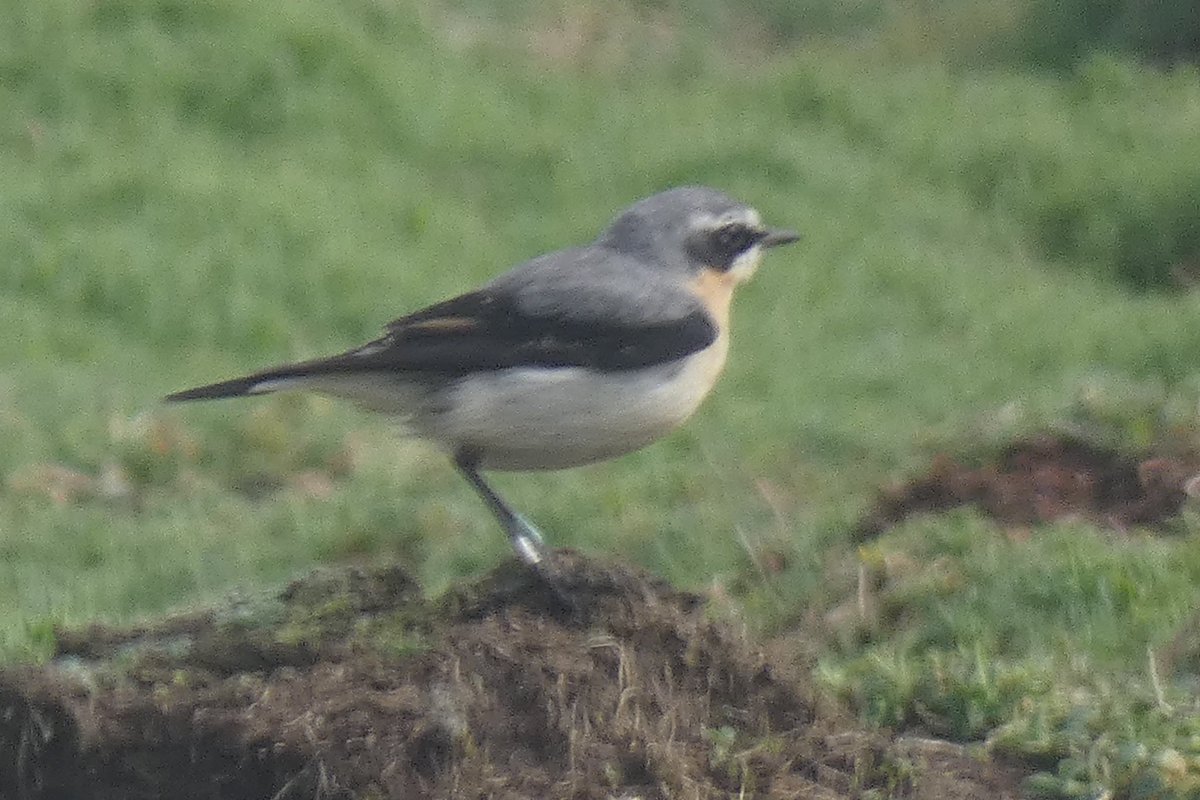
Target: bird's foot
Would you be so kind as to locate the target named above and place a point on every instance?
(531, 549)
(527, 541)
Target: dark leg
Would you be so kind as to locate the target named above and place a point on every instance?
(524, 537)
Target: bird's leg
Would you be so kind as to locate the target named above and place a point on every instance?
(524, 537)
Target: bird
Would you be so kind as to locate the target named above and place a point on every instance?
(573, 357)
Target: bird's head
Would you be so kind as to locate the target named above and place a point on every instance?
(697, 229)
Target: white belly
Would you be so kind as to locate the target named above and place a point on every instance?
(549, 418)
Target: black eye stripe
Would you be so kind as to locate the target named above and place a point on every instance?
(719, 246)
(735, 237)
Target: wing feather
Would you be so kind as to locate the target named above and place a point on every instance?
(487, 331)
(541, 315)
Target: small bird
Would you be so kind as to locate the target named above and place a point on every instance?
(572, 357)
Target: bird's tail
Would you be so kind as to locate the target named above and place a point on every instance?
(393, 394)
(259, 383)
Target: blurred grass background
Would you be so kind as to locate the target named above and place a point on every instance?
(1000, 208)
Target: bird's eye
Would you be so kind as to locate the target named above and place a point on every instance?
(733, 239)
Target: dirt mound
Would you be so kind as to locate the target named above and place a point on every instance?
(1044, 479)
(349, 684)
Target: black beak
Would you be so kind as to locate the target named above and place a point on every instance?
(777, 237)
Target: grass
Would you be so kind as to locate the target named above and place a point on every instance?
(194, 189)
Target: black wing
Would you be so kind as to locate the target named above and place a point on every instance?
(487, 330)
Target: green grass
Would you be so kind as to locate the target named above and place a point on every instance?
(197, 188)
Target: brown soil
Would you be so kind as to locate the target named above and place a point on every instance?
(349, 685)
(1044, 479)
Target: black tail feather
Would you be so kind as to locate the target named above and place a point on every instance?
(238, 387)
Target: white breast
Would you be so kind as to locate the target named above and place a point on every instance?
(548, 418)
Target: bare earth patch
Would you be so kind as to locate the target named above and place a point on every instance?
(349, 684)
(1045, 479)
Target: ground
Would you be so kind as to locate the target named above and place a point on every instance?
(350, 684)
(1048, 478)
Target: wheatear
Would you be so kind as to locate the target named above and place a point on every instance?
(573, 357)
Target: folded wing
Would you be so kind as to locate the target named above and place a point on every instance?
(494, 329)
